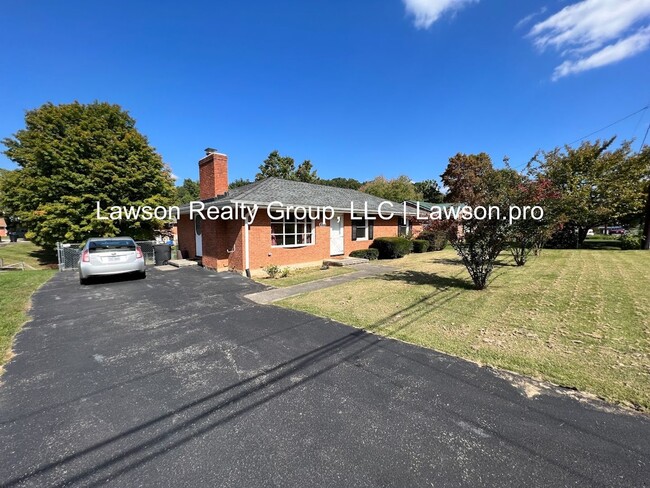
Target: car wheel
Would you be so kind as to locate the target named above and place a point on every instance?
(142, 275)
(83, 281)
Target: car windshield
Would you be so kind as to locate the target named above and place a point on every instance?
(111, 245)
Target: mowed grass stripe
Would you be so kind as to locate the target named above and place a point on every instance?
(576, 318)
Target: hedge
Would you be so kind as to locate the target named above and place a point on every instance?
(370, 254)
(420, 245)
(391, 247)
(437, 239)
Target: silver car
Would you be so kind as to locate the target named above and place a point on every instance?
(102, 256)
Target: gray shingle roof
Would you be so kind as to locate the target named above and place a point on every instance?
(297, 193)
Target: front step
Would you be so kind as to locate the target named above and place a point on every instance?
(344, 261)
(182, 263)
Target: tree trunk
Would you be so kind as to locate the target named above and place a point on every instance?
(582, 235)
(646, 228)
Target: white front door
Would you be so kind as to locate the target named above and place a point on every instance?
(336, 235)
(198, 233)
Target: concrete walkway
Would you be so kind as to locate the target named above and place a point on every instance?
(362, 271)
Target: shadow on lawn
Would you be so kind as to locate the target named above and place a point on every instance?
(421, 278)
(45, 257)
(459, 262)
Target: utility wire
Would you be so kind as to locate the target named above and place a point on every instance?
(644, 137)
(610, 125)
(603, 128)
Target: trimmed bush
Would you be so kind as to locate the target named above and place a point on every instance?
(629, 242)
(420, 245)
(437, 239)
(391, 247)
(370, 254)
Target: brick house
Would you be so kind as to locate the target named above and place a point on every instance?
(289, 238)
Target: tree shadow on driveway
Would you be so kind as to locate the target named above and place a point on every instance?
(208, 412)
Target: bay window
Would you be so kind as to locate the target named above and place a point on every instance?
(291, 231)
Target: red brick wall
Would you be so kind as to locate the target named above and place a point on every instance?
(213, 175)
(220, 237)
(221, 244)
(186, 241)
(263, 254)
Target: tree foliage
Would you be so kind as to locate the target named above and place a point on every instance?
(480, 241)
(238, 182)
(188, 191)
(71, 156)
(530, 235)
(597, 185)
(396, 190)
(339, 182)
(430, 191)
(284, 167)
(465, 177)
(276, 166)
(306, 172)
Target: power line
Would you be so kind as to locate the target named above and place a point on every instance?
(644, 137)
(603, 128)
(610, 125)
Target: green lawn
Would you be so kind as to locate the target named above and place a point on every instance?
(16, 288)
(304, 275)
(29, 253)
(578, 318)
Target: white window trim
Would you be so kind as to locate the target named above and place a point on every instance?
(407, 225)
(283, 222)
(366, 227)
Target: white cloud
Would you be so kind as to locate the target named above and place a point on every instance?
(426, 12)
(594, 33)
(530, 17)
(625, 48)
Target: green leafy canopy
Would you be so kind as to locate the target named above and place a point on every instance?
(71, 156)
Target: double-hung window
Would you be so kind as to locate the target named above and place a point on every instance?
(290, 231)
(403, 227)
(362, 230)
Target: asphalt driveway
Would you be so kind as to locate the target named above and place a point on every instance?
(178, 380)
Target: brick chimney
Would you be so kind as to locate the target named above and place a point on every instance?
(213, 174)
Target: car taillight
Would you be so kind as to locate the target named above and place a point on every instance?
(85, 256)
(138, 252)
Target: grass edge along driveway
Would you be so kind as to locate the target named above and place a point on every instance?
(576, 318)
(16, 289)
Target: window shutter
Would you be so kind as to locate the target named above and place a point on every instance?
(354, 231)
(371, 230)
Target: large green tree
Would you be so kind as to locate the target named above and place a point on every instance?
(188, 191)
(430, 191)
(598, 184)
(278, 166)
(306, 172)
(73, 155)
(397, 190)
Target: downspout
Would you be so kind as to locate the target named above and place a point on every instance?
(247, 264)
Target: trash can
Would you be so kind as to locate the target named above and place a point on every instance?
(162, 253)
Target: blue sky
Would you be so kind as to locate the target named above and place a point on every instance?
(359, 87)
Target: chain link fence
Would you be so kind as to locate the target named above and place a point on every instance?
(68, 253)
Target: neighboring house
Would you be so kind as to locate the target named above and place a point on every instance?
(290, 241)
(3, 227)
